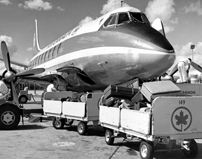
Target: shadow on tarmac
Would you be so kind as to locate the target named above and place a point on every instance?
(92, 131)
(29, 127)
(133, 150)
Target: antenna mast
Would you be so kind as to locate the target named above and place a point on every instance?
(122, 3)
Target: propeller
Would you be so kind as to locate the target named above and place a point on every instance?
(193, 64)
(196, 66)
(10, 75)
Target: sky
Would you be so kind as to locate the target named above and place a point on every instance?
(182, 20)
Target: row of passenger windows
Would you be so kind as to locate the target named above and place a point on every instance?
(46, 56)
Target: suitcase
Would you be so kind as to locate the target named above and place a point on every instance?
(153, 89)
(119, 91)
(111, 101)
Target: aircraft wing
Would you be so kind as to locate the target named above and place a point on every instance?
(30, 72)
(16, 63)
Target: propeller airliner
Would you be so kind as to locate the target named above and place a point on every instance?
(113, 49)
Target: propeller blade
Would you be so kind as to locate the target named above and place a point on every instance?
(31, 72)
(5, 55)
(173, 71)
(14, 94)
(196, 66)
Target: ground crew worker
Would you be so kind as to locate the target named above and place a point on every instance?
(3, 90)
(183, 68)
(51, 87)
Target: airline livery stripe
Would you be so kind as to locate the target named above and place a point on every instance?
(95, 52)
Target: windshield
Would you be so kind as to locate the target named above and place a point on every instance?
(139, 17)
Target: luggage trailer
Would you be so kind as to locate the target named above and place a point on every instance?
(64, 107)
(173, 120)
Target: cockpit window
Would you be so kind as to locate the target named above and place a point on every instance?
(110, 21)
(139, 17)
(123, 17)
(144, 17)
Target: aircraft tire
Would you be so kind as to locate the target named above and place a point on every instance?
(9, 116)
(82, 128)
(146, 150)
(193, 152)
(58, 123)
(23, 99)
(109, 139)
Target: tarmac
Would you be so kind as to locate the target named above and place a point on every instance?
(40, 140)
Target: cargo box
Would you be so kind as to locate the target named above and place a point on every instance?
(153, 89)
(111, 101)
(119, 91)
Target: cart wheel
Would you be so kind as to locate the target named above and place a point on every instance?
(9, 116)
(146, 150)
(23, 99)
(193, 152)
(82, 128)
(69, 122)
(58, 123)
(109, 139)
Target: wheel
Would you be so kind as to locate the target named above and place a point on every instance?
(109, 139)
(9, 116)
(58, 123)
(82, 128)
(23, 99)
(193, 152)
(146, 150)
(69, 122)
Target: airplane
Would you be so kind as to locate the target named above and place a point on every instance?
(113, 49)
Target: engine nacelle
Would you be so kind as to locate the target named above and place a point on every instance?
(9, 76)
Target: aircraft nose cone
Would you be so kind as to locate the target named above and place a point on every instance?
(158, 55)
(156, 40)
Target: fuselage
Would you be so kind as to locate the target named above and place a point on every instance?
(112, 49)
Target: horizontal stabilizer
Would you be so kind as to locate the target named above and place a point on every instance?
(16, 63)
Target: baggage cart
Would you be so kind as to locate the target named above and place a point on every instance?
(65, 108)
(173, 120)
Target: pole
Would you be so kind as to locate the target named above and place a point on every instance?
(122, 3)
(192, 47)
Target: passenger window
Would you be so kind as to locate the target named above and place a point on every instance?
(40, 59)
(43, 57)
(58, 49)
(55, 51)
(110, 21)
(123, 17)
(34, 62)
(52, 53)
(37, 60)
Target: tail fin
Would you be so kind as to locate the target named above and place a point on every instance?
(36, 46)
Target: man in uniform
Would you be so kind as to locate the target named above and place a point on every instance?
(183, 68)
